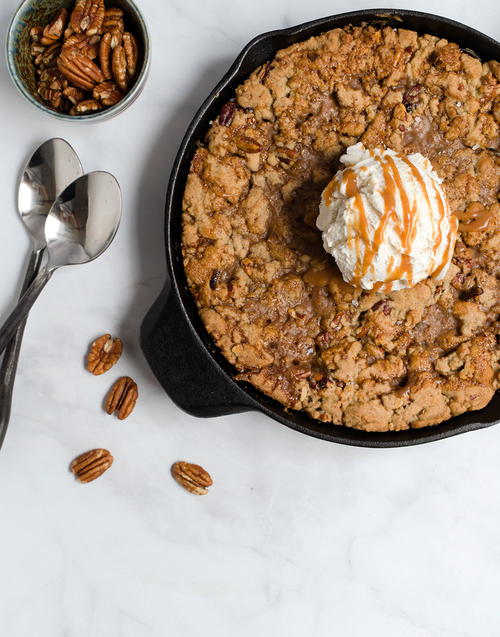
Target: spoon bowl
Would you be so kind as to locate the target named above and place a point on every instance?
(51, 168)
(83, 220)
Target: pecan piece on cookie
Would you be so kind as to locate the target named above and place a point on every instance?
(91, 464)
(192, 477)
(119, 67)
(107, 93)
(411, 97)
(87, 16)
(53, 31)
(122, 398)
(104, 352)
(247, 144)
(226, 114)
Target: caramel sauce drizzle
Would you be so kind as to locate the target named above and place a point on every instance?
(406, 228)
(442, 213)
(450, 247)
(420, 180)
(319, 278)
(478, 221)
(361, 228)
(328, 192)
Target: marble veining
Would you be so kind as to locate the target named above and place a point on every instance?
(297, 537)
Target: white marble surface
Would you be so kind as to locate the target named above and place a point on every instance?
(297, 537)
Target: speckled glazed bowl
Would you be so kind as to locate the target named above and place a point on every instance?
(22, 69)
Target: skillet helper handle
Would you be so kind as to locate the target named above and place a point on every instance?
(11, 355)
(182, 365)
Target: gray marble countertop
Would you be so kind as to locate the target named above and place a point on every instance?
(297, 537)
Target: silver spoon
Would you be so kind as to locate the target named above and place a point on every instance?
(80, 226)
(52, 167)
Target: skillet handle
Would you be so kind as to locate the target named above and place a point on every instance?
(183, 367)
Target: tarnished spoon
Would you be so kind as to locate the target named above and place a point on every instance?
(52, 167)
(80, 226)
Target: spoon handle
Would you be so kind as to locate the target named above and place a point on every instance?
(11, 356)
(20, 312)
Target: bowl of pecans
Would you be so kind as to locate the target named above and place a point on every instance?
(79, 59)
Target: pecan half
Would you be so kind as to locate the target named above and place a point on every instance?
(53, 31)
(287, 155)
(51, 96)
(91, 51)
(192, 477)
(75, 96)
(87, 16)
(264, 72)
(214, 279)
(114, 24)
(88, 106)
(384, 305)
(91, 464)
(72, 75)
(227, 114)
(122, 397)
(36, 33)
(107, 93)
(51, 77)
(50, 87)
(83, 43)
(49, 55)
(247, 144)
(104, 352)
(411, 96)
(131, 53)
(318, 381)
(116, 38)
(119, 67)
(105, 56)
(113, 21)
(37, 52)
(79, 69)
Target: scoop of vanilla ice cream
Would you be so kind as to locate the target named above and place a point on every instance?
(386, 221)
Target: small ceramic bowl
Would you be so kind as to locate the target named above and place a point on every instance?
(22, 69)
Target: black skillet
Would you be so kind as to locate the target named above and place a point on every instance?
(181, 353)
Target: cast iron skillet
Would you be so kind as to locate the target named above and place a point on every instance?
(181, 353)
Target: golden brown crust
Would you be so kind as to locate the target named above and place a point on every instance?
(269, 295)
